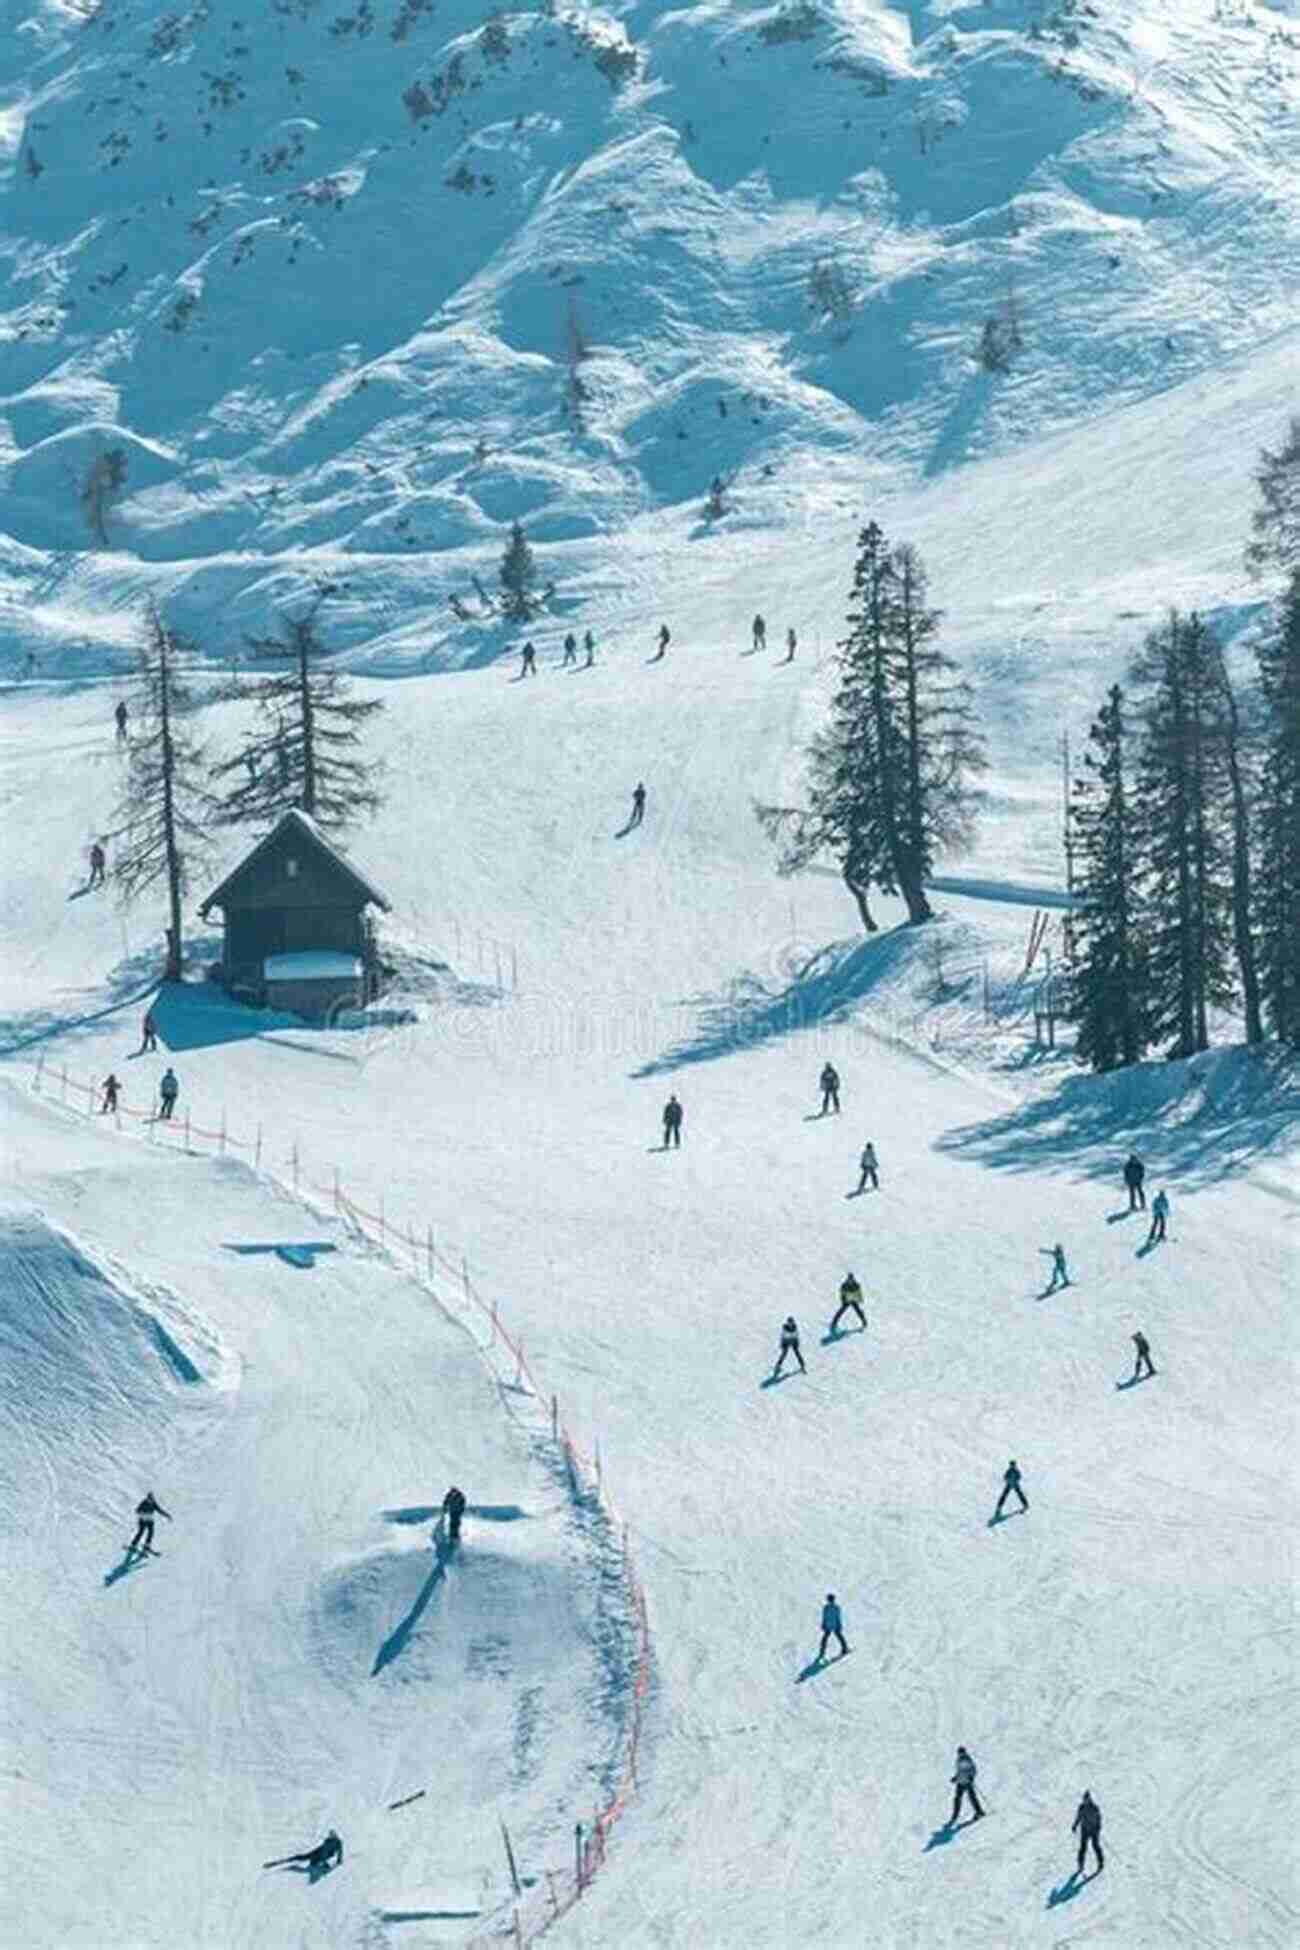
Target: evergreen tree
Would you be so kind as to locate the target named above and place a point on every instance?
(1235, 760)
(890, 778)
(1278, 885)
(518, 576)
(1108, 972)
(162, 816)
(1276, 520)
(304, 751)
(1184, 836)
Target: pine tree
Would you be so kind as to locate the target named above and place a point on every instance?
(890, 778)
(518, 576)
(1276, 520)
(1278, 882)
(1108, 972)
(162, 817)
(1183, 834)
(305, 751)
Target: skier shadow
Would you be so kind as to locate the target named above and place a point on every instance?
(396, 1641)
(301, 1253)
(1150, 1246)
(1004, 1516)
(1116, 1218)
(132, 1561)
(814, 1666)
(1065, 1892)
(949, 1832)
(631, 827)
(834, 1334)
(90, 885)
(775, 1380)
(1134, 1381)
(314, 1871)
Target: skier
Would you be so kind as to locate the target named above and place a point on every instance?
(760, 633)
(1159, 1216)
(638, 806)
(570, 648)
(454, 1506)
(1143, 1346)
(120, 715)
(665, 638)
(672, 1122)
(830, 1088)
(111, 1087)
(589, 645)
(868, 1163)
(1134, 1172)
(1060, 1277)
(323, 1856)
(168, 1091)
(789, 1345)
(850, 1296)
(98, 861)
(1011, 1481)
(146, 1510)
(148, 1034)
(832, 1627)
(963, 1779)
(790, 642)
(1087, 1824)
(530, 661)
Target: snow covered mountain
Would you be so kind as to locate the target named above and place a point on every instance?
(372, 282)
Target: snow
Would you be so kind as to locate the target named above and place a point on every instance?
(309, 966)
(174, 1319)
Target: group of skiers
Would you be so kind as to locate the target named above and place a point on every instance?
(169, 1088)
(528, 654)
(1086, 1824)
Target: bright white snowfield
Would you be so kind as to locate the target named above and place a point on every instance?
(296, 261)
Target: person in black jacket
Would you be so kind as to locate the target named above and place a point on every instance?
(963, 1779)
(672, 1122)
(789, 1345)
(325, 1854)
(1010, 1482)
(1143, 1346)
(850, 1296)
(146, 1510)
(1134, 1173)
(454, 1506)
(830, 1088)
(1087, 1825)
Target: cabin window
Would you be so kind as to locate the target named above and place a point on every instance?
(291, 868)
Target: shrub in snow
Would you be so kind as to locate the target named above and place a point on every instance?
(799, 22)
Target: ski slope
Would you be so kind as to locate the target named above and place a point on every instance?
(1132, 1634)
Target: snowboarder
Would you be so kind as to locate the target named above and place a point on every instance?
(98, 861)
(868, 1164)
(760, 633)
(830, 1088)
(963, 1779)
(1143, 1346)
(148, 1033)
(454, 1506)
(791, 641)
(1060, 1277)
(1134, 1172)
(146, 1510)
(570, 648)
(638, 806)
(789, 1345)
(672, 1122)
(1011, 1481)
(832, 1628)
(323, 1856)
(589, 645)
(1087, 1824)
(665, 638)
(111, 1087)
(1159, 1216)
(530, 661)
(120, 716)
(850, 1296)
(168, 1091)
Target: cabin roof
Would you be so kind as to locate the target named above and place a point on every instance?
(297, 824)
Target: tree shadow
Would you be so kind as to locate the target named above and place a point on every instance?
(1201, 1118)
(397, 1639)
(751, 1011)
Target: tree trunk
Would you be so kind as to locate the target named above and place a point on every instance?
(172, 970)
(859, 890)
(1243, 936)
(308, 727)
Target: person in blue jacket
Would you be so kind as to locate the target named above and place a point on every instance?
(1159, 1216)
(832, 1626)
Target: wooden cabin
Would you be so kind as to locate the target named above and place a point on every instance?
(296, 933)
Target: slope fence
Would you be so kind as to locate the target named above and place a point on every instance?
(538, 1900)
